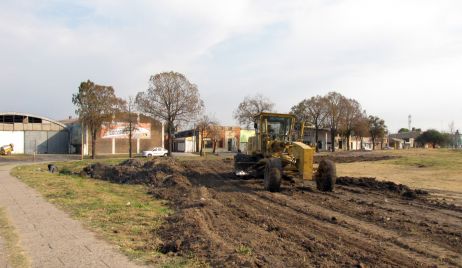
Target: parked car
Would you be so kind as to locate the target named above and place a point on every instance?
(157, 151)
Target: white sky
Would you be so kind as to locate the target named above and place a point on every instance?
(395, 57)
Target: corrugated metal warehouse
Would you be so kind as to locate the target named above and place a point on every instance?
(33, 134)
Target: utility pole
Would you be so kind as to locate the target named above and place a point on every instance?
(409, 122)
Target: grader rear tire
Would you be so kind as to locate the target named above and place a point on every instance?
(273, 174)
(326, 176)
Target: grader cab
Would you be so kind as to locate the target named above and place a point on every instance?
(276, 151)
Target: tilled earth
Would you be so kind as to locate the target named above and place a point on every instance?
(228, 222)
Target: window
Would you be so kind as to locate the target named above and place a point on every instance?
(208, 143)
(278, 127)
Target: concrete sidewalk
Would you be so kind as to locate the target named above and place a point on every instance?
(49, 236)
(3, 263)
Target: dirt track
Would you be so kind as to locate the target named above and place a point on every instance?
(228, 222)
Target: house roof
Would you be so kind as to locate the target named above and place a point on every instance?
(406, 135)
(32, 115)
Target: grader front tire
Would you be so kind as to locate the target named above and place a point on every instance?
(326, 176)
(273, 174)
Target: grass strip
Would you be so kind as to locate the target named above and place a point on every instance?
(16, 257)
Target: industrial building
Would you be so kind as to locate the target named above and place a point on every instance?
(31, 134)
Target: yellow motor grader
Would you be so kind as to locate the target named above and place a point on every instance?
(6, 149)
(275, 151)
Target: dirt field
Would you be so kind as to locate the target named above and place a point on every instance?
(227, 222)
(438, 171)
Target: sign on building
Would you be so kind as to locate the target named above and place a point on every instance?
(120, 130)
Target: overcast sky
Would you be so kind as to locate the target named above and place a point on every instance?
(395, 57)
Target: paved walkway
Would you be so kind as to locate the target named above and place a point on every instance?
(48, 235)
(3, 263)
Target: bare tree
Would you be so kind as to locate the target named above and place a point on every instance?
(215, 134)
(132, 119)
(361, 128)
(96, 104)
(205, 127)
(172, 98)
(334, 103)
(349, 117)
(312, 111)
(377, 129)
(250, 107)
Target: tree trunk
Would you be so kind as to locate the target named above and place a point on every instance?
(201, 151)
(348, 142)
(361, 142)
(169, 137)
(373, 143)
(332, 139)
(214, 146)
(130, 142)
(316, 128)
(93, 143)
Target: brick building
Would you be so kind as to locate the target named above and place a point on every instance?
(112, 138)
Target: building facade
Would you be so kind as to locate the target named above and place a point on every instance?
(405, 140)
(324, 142)
(113, 137)
(227, 139)
(32, 134)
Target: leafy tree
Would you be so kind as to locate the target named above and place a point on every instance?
(403, 130)
(334, 106)
(432, 136)
(312, 111)
(96, 104)
(172, 98)
(377, 129)
(351, 115)
(251, 107)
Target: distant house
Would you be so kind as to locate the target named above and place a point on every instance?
(403, 140)
(186, 141)
(190, 140)
(324, 142)
(458, 138)
(245, 134)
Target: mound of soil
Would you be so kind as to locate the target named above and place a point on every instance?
(372, 183)
(164, 176)
(353, 158)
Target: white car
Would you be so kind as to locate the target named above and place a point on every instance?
(157, 151)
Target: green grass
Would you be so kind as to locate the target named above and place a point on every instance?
(15, 254)
(244, 250)
(123, 214)
(435, 158)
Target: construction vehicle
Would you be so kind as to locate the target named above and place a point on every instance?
(6, 149)
(277, 151)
